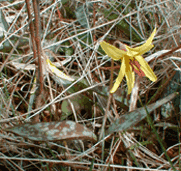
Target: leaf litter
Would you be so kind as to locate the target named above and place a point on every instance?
(72, 31)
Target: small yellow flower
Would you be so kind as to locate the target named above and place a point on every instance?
(131, 61)
(59, 73)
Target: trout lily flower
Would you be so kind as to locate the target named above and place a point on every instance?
(47, 67)
(131, 61)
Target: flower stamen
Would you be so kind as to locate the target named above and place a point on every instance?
(136, 68)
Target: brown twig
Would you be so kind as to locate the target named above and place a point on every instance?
(37, 50)
(38, 43)
(31, 30)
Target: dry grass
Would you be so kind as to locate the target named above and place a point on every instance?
(71, 32)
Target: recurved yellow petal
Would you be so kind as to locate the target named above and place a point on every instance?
(146, 46)
(146, 68)
(120, 76)
(59, 73)
(112, 51)
(130, 78)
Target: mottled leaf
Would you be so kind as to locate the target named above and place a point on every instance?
(53, 131)
(132, 118)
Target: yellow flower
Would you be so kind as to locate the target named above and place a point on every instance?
(59, 73)
(131, 61)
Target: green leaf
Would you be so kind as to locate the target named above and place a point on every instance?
(80, 102)
(124, 24)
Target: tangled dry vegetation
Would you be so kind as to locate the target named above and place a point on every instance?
(78, 125)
